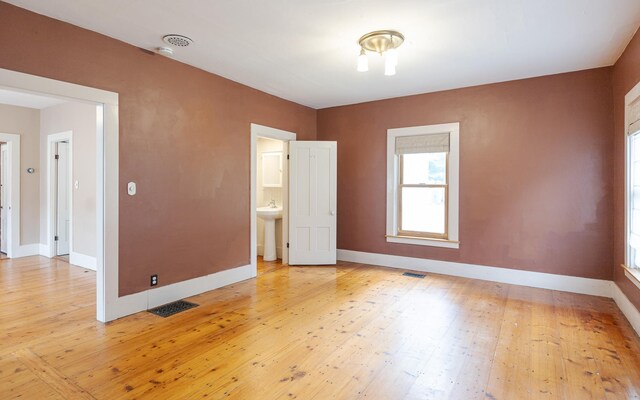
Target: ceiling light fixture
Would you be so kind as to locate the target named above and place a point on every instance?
(165, 51)
(384, 43)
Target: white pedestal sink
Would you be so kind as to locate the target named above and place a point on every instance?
(269, 215)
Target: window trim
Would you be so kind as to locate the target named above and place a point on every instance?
(630, 99)
(393, 185)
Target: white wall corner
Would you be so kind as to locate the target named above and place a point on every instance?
(627, 308)
(44, 250)
(83, 261)
(594, 287)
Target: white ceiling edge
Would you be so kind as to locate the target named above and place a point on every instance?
(305, 51)
(470, 86)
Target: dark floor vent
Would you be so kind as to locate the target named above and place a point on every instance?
(413, 275)
(168, 310)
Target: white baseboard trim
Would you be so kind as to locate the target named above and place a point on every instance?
(27, 250)
(151, 298)
(81, 260)
(595, 287)
(627, 308)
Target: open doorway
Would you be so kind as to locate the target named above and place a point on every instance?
(269, 194)
(34, 169)
(62, 198)
(3, 200)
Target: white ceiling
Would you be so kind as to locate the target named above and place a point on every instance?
(306, 50)
(29, 100)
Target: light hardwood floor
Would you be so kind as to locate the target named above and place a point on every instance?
(346, 332)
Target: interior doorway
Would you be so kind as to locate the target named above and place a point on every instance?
(108, 303)
(3, 199)
(62, 196)
(284, 137)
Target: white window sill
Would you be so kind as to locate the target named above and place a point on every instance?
(633, 274)
(449, 244)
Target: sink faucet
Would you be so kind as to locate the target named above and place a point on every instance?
(272, 203)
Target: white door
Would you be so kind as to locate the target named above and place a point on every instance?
(312, 202)
(63, 200)
(3, 198)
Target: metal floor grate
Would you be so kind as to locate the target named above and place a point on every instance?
(414, 275)
(169, 309)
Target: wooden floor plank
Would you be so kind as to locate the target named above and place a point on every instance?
(347, 332)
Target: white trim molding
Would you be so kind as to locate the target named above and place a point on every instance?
(627, 308)
(151, 298)
(14, 222)
(27, 250)
(82, 260)
(453, 180)
(107, 178)
(595, 287)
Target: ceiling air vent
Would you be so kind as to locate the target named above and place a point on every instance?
(177, 40)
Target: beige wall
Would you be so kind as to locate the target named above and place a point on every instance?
(81, 120)
(26, 123)
(265, 194)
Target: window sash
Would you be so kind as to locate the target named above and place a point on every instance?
(633, 206)
(419, 234)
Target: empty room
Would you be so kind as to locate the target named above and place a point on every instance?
(320, 199)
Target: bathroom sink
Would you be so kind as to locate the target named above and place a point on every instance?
(269, 213)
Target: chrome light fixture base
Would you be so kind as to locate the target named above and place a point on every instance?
(381, 41)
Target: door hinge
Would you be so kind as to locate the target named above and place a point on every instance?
(287, 156)
(57, 156)
(55, 238)
(287, 245)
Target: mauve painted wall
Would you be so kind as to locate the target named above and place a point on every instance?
(535, 172)
(184, 138)
(626, 74)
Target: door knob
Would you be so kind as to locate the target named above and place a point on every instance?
(333, 213)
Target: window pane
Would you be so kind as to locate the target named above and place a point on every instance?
(423, 210)
(635, 221)
(635, 146)
(430, 168)
(635, 198)
(635, 171)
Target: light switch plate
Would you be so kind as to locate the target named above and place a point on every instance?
(131, 188)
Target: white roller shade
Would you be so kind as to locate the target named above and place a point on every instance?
(436, 143)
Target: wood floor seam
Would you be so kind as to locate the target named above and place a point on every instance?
(62, 384)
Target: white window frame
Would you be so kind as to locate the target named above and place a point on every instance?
(393, 176)
(632, 97)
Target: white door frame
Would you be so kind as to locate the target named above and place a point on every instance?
(108, 304)
(51, 180)
(13, 193)
(278, 134)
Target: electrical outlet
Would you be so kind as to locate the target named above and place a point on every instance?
(154, 280)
